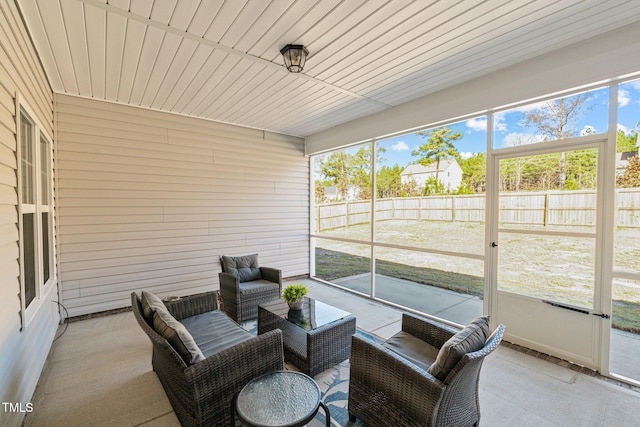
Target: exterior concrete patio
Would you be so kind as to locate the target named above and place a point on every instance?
(443, 303)
(99, 373)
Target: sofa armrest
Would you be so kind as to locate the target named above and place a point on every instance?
(260, 354)
(221, 376)
(378, 376)
(229, 282)
(272, 275)
(429, 331)
(193, 305)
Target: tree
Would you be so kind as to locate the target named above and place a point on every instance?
(539, 172)
(344, 169)
(389, 181)
(556, 119)
(361, 171)
(320, 194)
(582, 169)
(631, 176)
(439, 146)
(433, 186)
(360, 176)
(337, 169)
(626, 142)
(410, 189)
(474, 172)
(520, 162)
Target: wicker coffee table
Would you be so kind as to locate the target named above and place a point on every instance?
(315, 338)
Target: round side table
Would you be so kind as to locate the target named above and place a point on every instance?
(280, 398)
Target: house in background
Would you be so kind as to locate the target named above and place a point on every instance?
(140, 140)
(332, 193)
(448, 173)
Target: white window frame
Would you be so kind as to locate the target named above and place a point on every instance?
(43, 290)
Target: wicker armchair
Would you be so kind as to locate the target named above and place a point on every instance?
(201, 393)
(244, 285)
(386, 388)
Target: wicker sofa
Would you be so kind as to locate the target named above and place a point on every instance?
(201, 383)
(424, 375)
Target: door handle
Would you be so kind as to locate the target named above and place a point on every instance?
(566, 306)
(578, 309)
(494, 245)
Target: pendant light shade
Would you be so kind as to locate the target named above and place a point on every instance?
(294, 56)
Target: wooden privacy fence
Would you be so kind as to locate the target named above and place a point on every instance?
(564, 208)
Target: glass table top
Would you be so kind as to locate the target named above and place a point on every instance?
(279, 398)
(313, 314)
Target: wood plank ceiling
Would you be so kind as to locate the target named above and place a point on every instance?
(220, 60)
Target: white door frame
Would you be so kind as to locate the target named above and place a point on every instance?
(596, 327)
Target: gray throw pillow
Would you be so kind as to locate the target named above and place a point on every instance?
(246, 267)
(150, 303)
(178, 336)
(471, 338)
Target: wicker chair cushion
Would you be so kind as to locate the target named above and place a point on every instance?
(150, 303)
(177, 335)
(258, 286)
(471, 338)
(246, 267)
(214, 331)
(413, 349)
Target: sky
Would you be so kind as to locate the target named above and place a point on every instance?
(509, 131)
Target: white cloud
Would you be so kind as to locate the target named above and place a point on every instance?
(478, 124)
(623, 128)
(588, 130)
(515, 139)
(400, 146)
(635, 84)
(623, 98)
(466, 154)
(499, 122)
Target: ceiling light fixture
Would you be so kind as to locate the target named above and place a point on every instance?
(295, 56)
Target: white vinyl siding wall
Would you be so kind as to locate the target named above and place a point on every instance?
(22, 351)
(149, 200)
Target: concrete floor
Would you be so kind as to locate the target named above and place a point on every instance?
(443, 303)
(625, 348)
(99, 373)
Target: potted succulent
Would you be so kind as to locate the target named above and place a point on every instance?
(294, 295)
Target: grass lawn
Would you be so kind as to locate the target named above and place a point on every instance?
(331, 265)
(626, 316)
